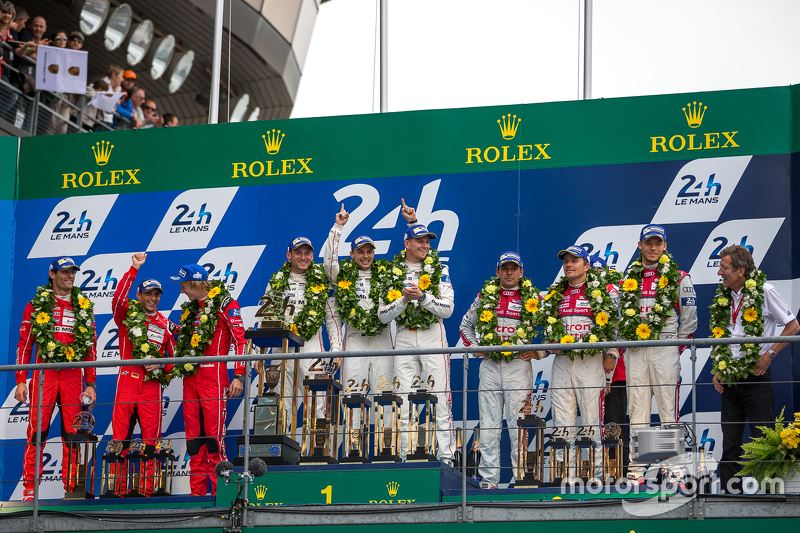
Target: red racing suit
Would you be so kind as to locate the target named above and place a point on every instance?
(136, 398)
(61, 387)
(205, 398)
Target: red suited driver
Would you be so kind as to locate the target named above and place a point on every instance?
(144, 333)
(211, 322)
(62, 315)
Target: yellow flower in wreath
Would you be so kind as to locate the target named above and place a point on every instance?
(643, 331)
(393, 295)
(717, 332)
(602, 318)
(185, 315)
(293, 329)
(663, 281)
(722, 365)
(567, 339)
(596, 293)
(69, 353)
(630, 285)
(345, 284)
(83, 302)
(532, 305)
(424, 282)
(213, 292)
(750, 314)
(506, 344)
(551, 320)
(51, 346)
(593, 338)
(397, 272)
(195, 342)
(663, 259)
(549, 295)
(42, 318)
(750, 284)
(428, 260)
(317, 288)
(630, 312)
(722, 301)
(188, 367)
(203, 319)
(486, 316)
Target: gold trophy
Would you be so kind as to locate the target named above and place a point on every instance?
(559, 461)
(530, 463)
(612, 453)
(388, 407)
(585, 455)
(320, 440)
(356, 428)
(112, 475)
(163, 468)
(422, 441)
(135, 470)
(81, 466)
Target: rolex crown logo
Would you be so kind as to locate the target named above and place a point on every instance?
(508, 126)
(393, 487)
(102, 151)
(273, 140)
(261, 491)
(694, 115)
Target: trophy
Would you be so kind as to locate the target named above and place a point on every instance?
(163, 468)
(612, 453)
(320, 440)
(356, 428)
(269, 414)
(81, 466)
(559, 461)
(135, 470)
(112, 474)
(388, 407)
(530, 463)
(585, 458)
(422, 436)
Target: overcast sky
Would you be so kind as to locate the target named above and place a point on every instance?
(466, 53)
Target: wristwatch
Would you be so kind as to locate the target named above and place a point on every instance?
(423, 298)
(240, 377)
(772, 353)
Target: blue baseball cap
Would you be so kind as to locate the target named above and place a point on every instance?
(358, 242)
(149, 285)
(577, 251)
(595, 261)
(653, 230)
(419, 230)
(510, 257)
(63, 263)
(300, 241)
(190, 273)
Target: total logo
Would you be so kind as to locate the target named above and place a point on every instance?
(508, 124)
(616, 244)
(694, 112)
(99, 178)
(192, 219)
(701, 190)
(370, 198)
(270, 167)
(756, 235)
(72, 226)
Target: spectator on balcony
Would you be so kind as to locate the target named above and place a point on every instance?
(151, 117)
(59, 101)
(8, 97)
(32, 38)
(114, 80)
(92, 115)
(59, 39)
(20, 19)
(130, 108)
(75, 41)
(128, 80)
(170, 120)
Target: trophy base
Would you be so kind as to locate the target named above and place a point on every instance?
(318, 459)
(134, 494)
(387, 458)
(528, 483)
(79, 495)
(273, 449)
(109, 495)
(556, 482)
(355, 459)
(161, 493)
(420, 458)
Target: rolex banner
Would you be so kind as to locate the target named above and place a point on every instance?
(714, 168)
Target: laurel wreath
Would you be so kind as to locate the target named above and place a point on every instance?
(43, 324)
(634, 326)
(487, 319)
(355, 316)
(193, 340)
(307, 322)
(136, 322)
(414, 316)
(601, 305)
(730, 369)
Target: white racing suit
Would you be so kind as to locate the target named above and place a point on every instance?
(293, 302)
(578, 383)
(431, 372)
(656, 371)
(360, 375)
(504, 385)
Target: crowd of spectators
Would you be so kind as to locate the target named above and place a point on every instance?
(21, 37)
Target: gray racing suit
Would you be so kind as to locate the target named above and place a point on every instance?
(654, 372)
(431, 371)
(503, 387)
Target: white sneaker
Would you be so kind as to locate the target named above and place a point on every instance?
(487, 485)
(635, 478)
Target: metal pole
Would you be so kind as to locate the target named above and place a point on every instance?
(213, 104)
(246, 432)
(463, 441)
(587, 49)
(384, 37)
(38, 461)
(693, 349)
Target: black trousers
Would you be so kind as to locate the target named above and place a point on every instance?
(616, 410)
(753, 401)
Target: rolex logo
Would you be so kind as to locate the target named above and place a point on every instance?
(694, 115)
(261, 491)
(508, 126)
(102, 151)
(392, 487)
(273, 140)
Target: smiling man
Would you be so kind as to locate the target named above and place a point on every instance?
(62, 315)
(658, 302)
(143, 333)
(742, 373)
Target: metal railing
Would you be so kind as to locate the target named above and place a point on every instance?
(692, 345)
